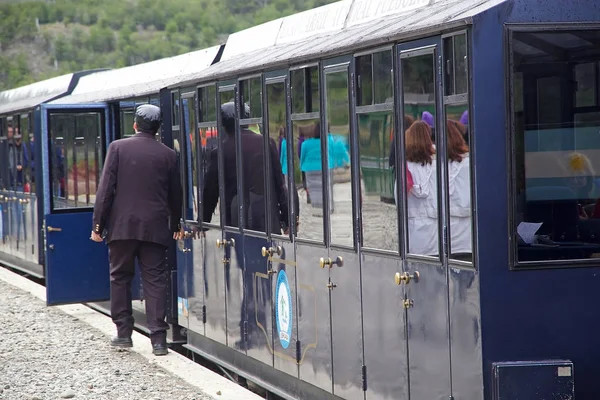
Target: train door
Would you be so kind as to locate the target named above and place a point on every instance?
(383, 314)
(77, 268)
(281, 324)
(342, 259)
(425, 272)
(251, 166)
(213, 279)
(314, 323)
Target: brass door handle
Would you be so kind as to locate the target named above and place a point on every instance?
(51, 229)
(328, 262)
(187, 250)
(225, 242)
(405, 277)
(271, 250)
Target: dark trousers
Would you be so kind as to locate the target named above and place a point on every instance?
(153, 265)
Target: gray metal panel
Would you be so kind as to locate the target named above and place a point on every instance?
(139, 80)
(404, 24)
(29, 96)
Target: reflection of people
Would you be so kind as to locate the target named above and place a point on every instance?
(140, 190)
(254, 186)
(15, 160)
(408, 121)
(459, 187)
(422, 198)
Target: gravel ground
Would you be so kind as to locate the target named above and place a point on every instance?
(46, 354)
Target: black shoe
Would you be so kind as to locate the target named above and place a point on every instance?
(159, 349)
(121, 342)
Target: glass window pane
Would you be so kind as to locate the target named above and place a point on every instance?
(255, 98)
(28, 153)
(276, 111)
(315, 104)
(459, 181)
(191, 197)
(76, 158)
(418, 76)
(586, 77)
(227, 141)
(298, 89)
(209, 184)
(4, 176)
(211, 103)
(364, 73)
(338, 154)
(556, 148)
(379, 215)
(382, 77)
(175, 108)
(308, 178)
(460, 64)
(127, 120)
(449, 66)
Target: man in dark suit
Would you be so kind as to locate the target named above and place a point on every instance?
(139, 203)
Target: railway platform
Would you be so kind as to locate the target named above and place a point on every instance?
(63, 352)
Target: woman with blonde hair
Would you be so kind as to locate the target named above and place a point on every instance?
(459, 183)
(422, 198)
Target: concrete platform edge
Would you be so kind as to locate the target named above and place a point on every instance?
(196, 375)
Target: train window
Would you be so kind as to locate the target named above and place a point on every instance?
(556, 189)
(190, 135)
(227, 141)
(3, 155)
(28, 156)
(455, 65)
(586, 90)
(308, 178)
(374, 75)
(377, 162)
(418, 83)
(305, 90)
(209, 144)
(127, 120)
(75, 146)
(276, 111)
(175, 108)
(338, 155)
(251, 96)
(207, 98)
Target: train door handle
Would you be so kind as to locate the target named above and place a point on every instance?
(52, 229)
(405, 277)
(225, 242)
(271, 250)
(328, 262)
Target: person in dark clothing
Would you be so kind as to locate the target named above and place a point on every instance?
(139, 203)
(254, 194)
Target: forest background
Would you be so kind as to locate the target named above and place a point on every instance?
(47, 38)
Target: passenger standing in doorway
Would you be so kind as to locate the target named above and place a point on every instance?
(138, 203)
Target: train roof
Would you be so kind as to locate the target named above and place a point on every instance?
(337, 28)
(141, 79)
(30, 96)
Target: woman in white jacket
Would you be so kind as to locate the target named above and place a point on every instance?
(459, 190)
(422, 198)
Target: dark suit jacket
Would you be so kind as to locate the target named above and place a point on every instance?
(140, 194)
(254, 186)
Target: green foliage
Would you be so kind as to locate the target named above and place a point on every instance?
(74, 35)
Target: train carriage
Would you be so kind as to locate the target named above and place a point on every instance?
(493, 300)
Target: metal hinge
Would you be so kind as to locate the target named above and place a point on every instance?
(203, 314)
(298, 350)
(445, 241)
(245, 331)
(450, 397)
(364, 378)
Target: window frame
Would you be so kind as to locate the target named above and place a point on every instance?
(509, 30)
(189, 94)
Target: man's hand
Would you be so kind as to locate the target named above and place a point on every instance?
(179, 235)
(96, 237)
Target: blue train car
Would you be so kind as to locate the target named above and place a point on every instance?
(484, 292)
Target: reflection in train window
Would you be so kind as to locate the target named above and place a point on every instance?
(276, 110)
(227, 141)
(456, 65)
(418, 81)
(175, 108)
(4, 180)
(556, 145)
(209, 144)
(308, 178)
(190, 167)
(379, 217)
(459, 181)
(374, 78)
(127, 120)
(305, 90)
(338, 152)
(76, 158)
(207, 103)
(251, 92)
(26, 152)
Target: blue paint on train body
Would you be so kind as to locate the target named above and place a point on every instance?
(530, 314)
